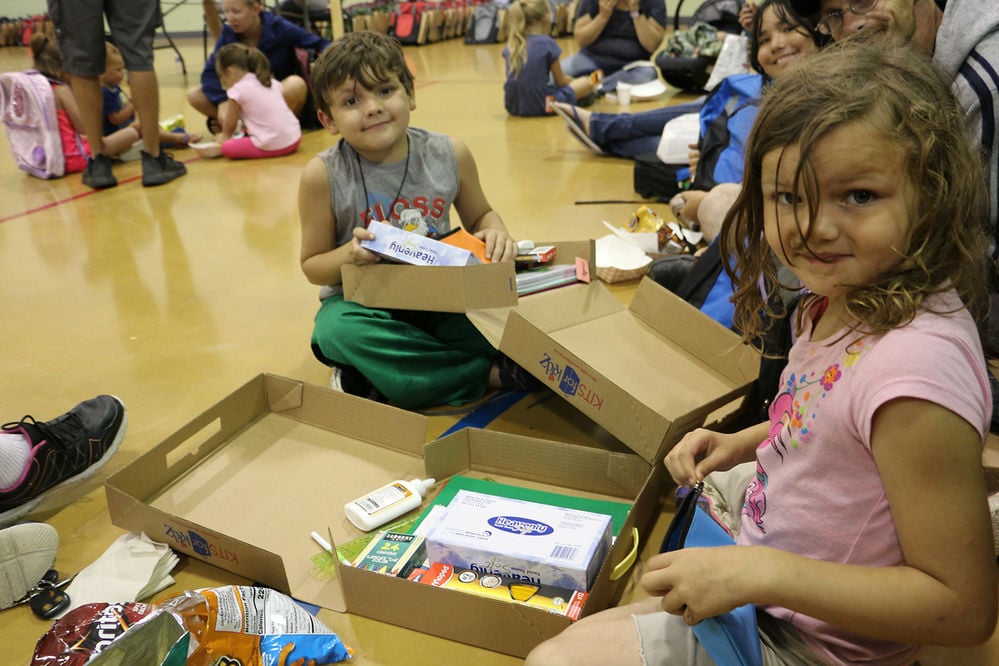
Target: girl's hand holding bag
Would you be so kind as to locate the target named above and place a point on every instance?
(731, 638)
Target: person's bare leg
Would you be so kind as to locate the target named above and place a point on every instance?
(197, 99)
(608, 637)
(146, 97)
(295, 93)
(87, 91)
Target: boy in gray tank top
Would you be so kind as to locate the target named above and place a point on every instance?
(384, 170)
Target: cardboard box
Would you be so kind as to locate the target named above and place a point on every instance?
(244, 484)
(444, 288)
(648, 373)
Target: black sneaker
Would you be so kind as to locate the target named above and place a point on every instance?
(160, 169)
(65, 451)
(97, 174)
(514, 378)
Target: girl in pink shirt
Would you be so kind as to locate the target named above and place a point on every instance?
(271, 128)
(865, 531)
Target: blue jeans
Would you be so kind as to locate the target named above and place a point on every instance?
(582, 63)
(633, 134)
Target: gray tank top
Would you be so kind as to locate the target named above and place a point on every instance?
(422, 203)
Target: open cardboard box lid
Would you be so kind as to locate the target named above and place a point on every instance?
(243, 485)
(648, 373)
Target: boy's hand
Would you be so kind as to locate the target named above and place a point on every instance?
(360, 256)
(499, 245)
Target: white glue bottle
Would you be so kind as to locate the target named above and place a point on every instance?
(388, 502)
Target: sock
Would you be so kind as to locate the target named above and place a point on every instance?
(14, 452)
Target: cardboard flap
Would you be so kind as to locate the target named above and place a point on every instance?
(433, 288)
(695, 331)
(356, 417)
(559, 463)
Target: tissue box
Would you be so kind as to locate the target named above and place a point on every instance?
(534, 543)
(409, 248)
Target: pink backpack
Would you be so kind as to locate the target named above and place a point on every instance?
(29, 117)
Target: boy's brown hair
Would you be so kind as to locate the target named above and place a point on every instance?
(370, 58)
(247, 58)
(896, 94)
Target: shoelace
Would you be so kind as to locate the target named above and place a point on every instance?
(59, 435)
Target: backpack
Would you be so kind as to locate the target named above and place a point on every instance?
(406, 26)
(29, 118)
(726, 118)
(483, 28)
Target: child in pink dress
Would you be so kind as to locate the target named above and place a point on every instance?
(272, 129)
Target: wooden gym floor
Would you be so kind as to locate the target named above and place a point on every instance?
(171, 297)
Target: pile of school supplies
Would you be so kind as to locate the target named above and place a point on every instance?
(408, 247)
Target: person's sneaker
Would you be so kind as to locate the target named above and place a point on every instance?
(97, 174)
(514, 378)
(27, 552)
(348, 379)
(64, 451)
(160, 169)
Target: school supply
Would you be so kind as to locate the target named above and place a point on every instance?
(531, 542)
(31, 123)
(731, 638)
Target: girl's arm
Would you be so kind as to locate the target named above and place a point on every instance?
(321, 261)
(229, 115)
(703, 451)
(66, 101)
(477, 216)
(944, 593)
(588, 28)
(558, 75)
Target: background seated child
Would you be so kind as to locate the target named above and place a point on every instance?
(119, 112)
(382, 169)
(47, 59)
(533, 70)
(255, 98)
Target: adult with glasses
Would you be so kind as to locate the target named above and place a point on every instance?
(963, 38)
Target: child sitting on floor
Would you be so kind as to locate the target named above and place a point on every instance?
(119, 112)
(272, 129)
(533, 70)
(47, 60)
(383, 169)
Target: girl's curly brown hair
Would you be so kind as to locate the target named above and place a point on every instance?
(902, 96)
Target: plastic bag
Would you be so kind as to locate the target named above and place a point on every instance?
(253, 625)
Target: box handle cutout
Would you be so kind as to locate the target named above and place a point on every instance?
(622, 567)
(191, 445)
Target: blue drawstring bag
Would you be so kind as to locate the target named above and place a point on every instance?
(731, 638)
